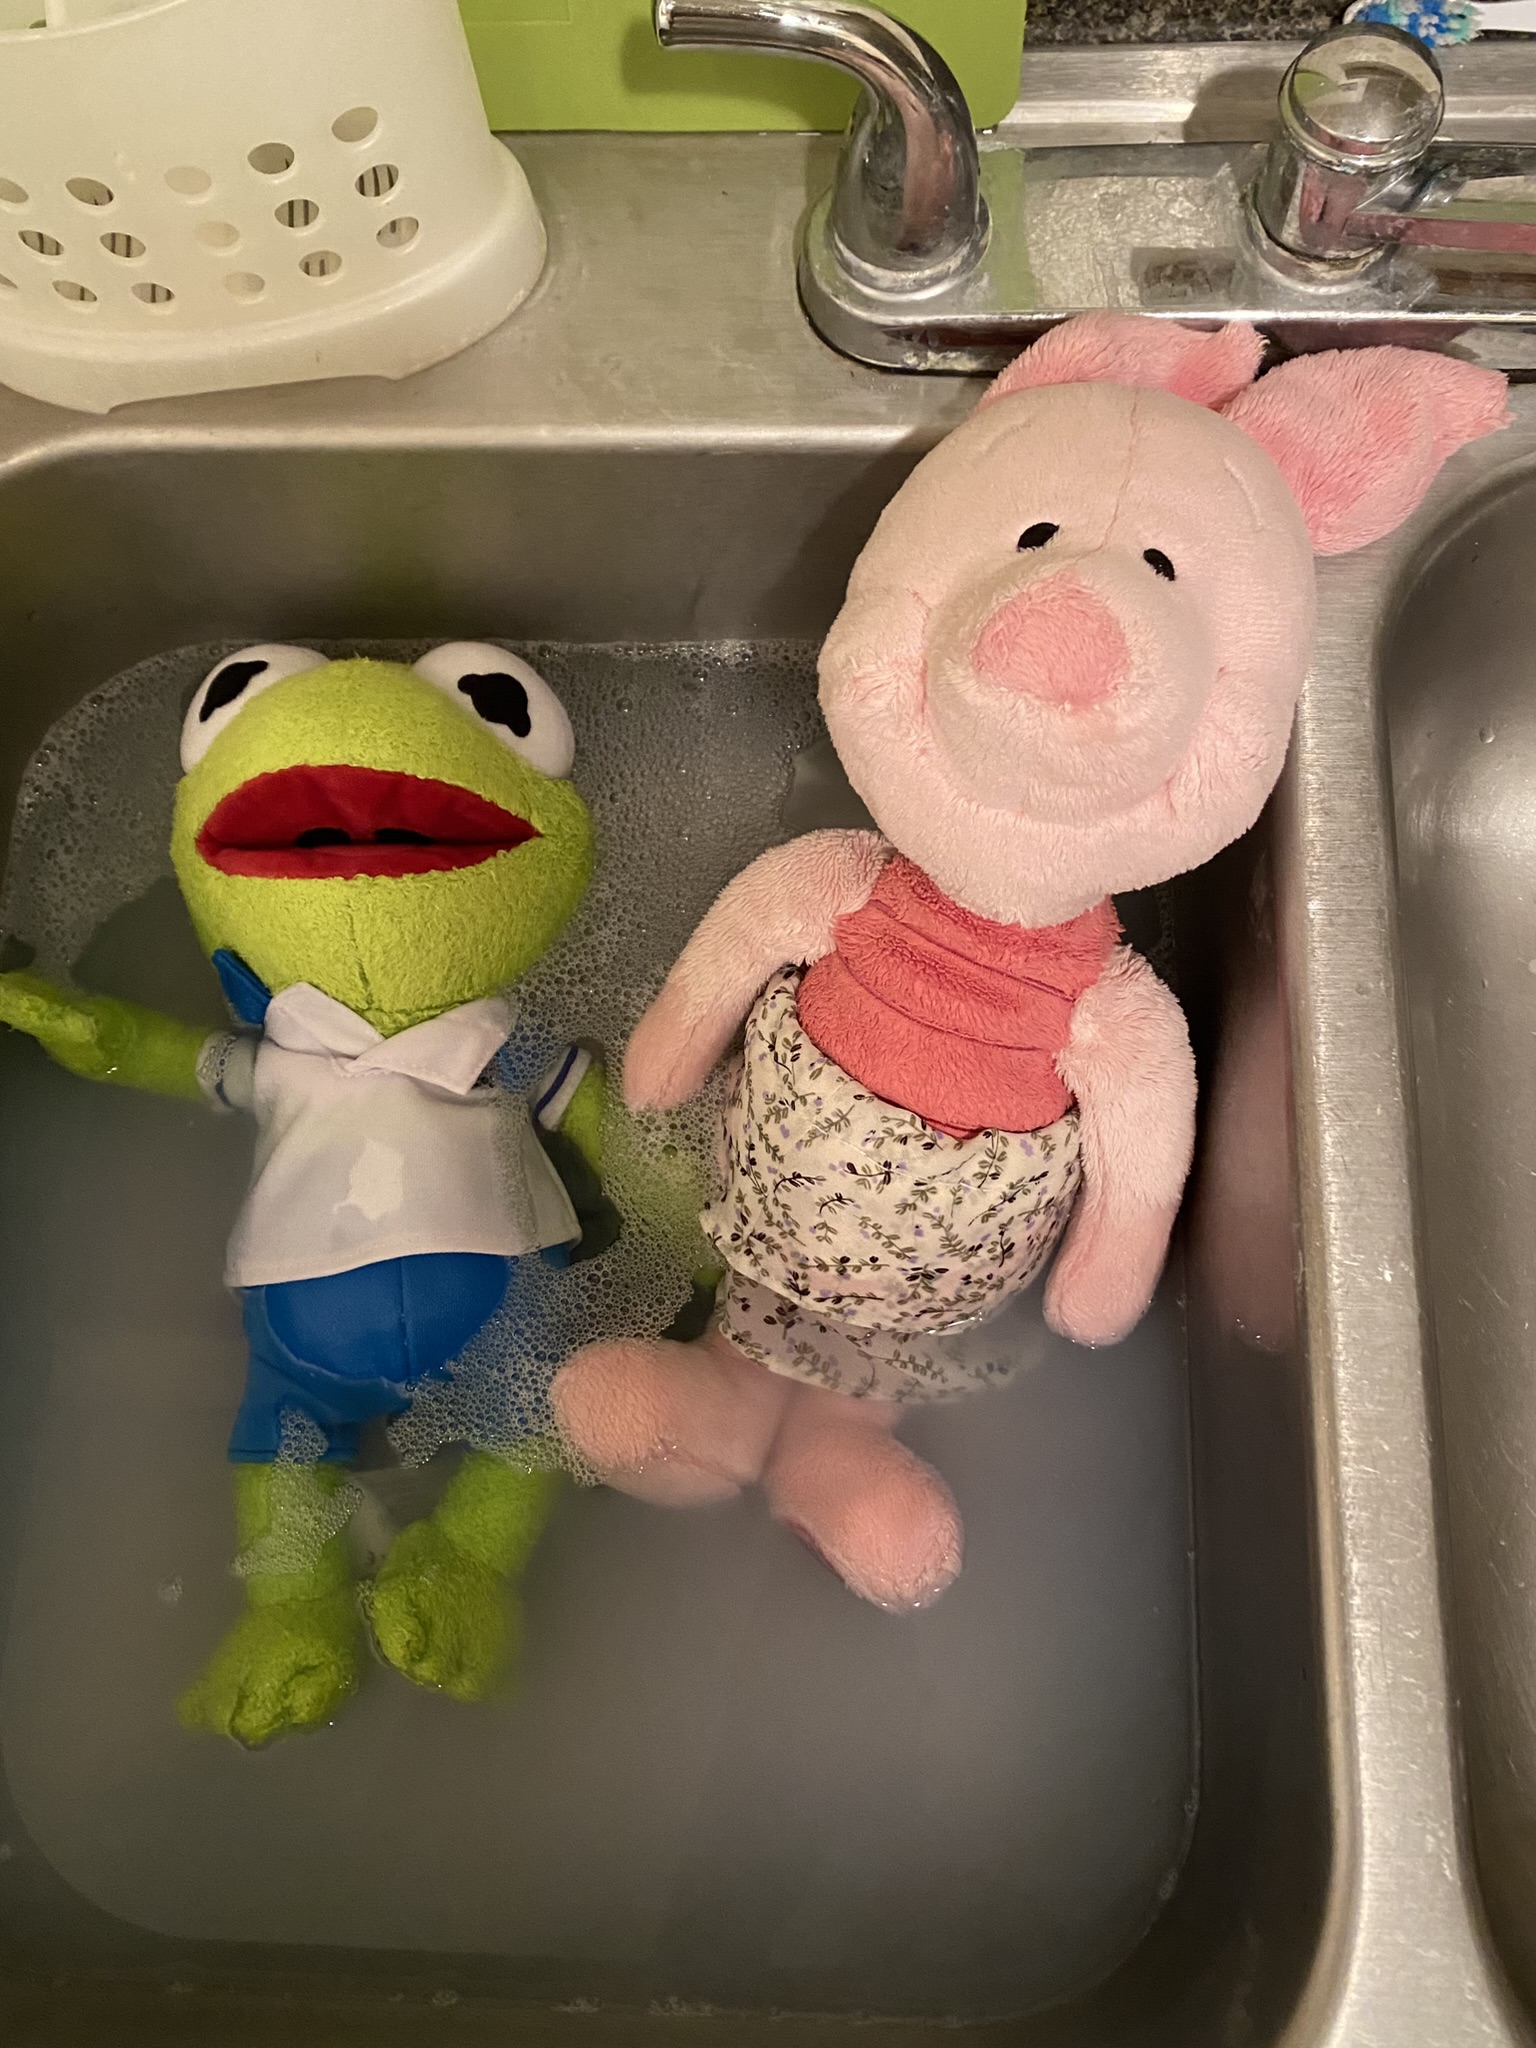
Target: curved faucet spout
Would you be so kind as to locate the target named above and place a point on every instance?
(907, 211)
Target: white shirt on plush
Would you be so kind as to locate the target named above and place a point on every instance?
(373, 1148)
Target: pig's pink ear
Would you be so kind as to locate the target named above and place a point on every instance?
(1359, 434)
(1129, 348)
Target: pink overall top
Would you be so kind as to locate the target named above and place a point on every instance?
(949, 1015)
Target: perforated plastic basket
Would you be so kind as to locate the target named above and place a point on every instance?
(203, 194)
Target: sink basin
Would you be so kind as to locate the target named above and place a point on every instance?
(1173, 1765)
(1457, 670)
(724, 1784)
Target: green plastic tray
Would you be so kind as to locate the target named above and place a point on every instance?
(597, 64)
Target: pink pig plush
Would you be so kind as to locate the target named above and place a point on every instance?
(1067, 665)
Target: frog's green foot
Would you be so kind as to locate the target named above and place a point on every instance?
(441, 1617)
(281, 1667)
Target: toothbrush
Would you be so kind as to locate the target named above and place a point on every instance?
(1439, 22)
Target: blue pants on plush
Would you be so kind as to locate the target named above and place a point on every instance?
(352, 1348)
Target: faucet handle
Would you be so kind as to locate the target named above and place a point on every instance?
(1358, 109)
(1363, 98)
(1356, 170)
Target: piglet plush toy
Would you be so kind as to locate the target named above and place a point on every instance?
(1066, 666)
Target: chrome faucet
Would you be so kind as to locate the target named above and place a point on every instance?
(1356, 169)
(936, 250)
(907, 212)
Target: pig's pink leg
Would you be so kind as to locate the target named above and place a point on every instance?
(1129, 1064)
(680, 1425)
(883, 1520)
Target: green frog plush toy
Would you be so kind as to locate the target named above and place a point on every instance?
(373, 856)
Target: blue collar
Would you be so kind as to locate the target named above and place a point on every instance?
(247, 993)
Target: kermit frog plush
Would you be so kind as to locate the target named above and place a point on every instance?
(373, 856)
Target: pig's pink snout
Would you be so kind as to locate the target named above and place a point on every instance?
(1055, 641)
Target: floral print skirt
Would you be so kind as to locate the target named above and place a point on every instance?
(864, 1246)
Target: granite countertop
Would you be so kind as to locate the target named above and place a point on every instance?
(1178, 21)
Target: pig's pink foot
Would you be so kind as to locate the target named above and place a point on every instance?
(679, 1425)
(871, 1509)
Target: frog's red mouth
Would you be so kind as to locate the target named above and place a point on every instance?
(334, 822)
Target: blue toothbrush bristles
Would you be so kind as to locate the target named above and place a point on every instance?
(1436, 22)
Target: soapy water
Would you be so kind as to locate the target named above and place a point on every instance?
(720, 1779)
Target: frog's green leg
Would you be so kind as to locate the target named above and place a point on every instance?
(442, 1609)
(296, 1653)
(586, 1115)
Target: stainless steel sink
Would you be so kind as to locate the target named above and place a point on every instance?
(1205, 1677)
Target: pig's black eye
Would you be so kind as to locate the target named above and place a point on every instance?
(1156, 559)
(1037, 535)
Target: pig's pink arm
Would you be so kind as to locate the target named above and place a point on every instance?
(777, 913)
(1129, 1064)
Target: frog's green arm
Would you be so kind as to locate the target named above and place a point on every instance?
(583, 1119)
(659, 1182)
(104, 1039)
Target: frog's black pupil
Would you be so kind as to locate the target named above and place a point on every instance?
(227, 685)
(399, 835)
(1037, 535)
(324, 835)
(1156, 559)
(500, 700)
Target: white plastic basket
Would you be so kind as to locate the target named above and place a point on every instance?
(197, 195)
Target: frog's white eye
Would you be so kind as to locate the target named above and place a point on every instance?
(226, 690)
(507, 696)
